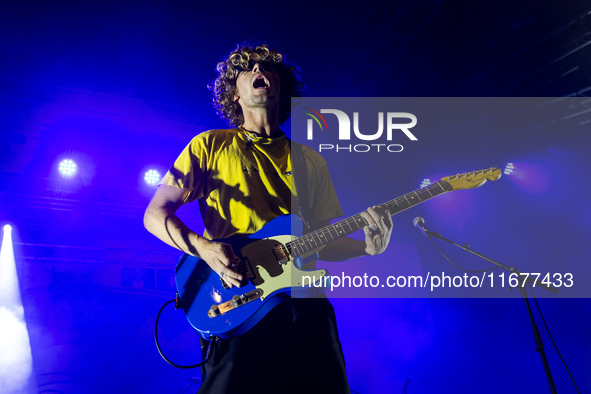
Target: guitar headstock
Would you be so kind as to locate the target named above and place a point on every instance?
(474, 179)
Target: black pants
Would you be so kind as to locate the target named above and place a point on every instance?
(294, 349)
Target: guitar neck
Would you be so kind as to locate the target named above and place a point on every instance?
(347, 226)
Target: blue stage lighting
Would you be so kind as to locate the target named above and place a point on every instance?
(509, 169)
(152, 177)
(68, 167)
(7, 228)
(426, 182)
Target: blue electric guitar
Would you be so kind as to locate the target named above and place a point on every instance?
(271, 265)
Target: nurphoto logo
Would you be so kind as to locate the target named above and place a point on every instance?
(396, 122)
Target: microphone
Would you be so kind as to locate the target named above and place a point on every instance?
(419, 222)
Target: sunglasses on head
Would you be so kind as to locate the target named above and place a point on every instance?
(267, 65)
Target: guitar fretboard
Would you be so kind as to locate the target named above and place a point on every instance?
(347, 226)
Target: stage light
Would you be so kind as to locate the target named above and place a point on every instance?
(509, 169)
(426, 182)
(152, 177)
(68, 167)
(16, 361)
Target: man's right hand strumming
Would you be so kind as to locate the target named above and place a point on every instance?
(221, 258)
(161, 220)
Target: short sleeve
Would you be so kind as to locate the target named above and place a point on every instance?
(189, 170)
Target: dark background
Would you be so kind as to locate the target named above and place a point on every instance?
(120, 86)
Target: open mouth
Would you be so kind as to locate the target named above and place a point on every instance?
(260, 83)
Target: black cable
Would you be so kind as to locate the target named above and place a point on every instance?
(214, 339)
(552, 339)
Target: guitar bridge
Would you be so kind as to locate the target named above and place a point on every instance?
(235, 302)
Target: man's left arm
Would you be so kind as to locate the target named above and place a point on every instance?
(377, 236)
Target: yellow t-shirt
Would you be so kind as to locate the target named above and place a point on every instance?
(242, 185)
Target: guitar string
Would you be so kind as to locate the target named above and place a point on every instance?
(337, 230)
(301, 241)
(358, 218)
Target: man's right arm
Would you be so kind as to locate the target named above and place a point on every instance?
(161, 220)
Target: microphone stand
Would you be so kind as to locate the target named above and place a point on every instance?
(522, 289)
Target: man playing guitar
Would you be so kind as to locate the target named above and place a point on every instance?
(242, 179)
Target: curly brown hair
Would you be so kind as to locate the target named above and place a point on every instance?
(243, 58)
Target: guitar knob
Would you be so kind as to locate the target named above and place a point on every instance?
(214, 310)
(236, 300)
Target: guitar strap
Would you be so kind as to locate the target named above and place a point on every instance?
(299, 173)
